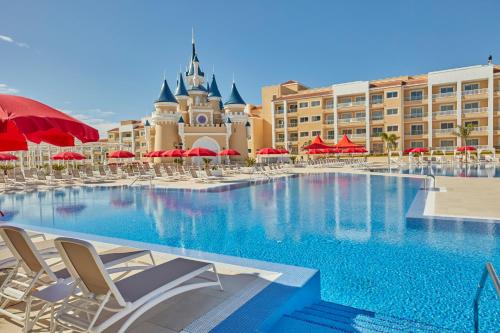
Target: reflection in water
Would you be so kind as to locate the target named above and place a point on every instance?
(464, 170)
(70, 210)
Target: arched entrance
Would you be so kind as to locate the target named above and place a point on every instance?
(209, 143)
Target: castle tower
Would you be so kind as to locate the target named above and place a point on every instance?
(215, 98)
(236, 121)
(182, 96)
(165, 119)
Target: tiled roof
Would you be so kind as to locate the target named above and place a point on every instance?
(289, 82)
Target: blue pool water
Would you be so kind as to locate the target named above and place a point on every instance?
(474, 170)
(351, 227)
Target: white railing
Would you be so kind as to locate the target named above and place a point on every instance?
(445, 113)
(415, 115)
(292, 110)
(415, 133)
(280, 139)
(475, 110)
(353, 136)
(292, 125)
(280, 125)
(352, 120)
(329, 121)
(377, 101)
(415, 99)
(444, 95)
(352, 103)
(475, 92)
(378, 118)
(480, 129)
(279, 112)
(442, 131)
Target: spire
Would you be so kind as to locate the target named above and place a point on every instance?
(165, 94)
(180, 90)
(193, 55)
(235, 97)
(208, 87)
(214, 89)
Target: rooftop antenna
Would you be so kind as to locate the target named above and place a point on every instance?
(192, 35)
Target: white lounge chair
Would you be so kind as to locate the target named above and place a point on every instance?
(97, 302)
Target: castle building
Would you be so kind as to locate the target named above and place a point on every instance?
(194, 115)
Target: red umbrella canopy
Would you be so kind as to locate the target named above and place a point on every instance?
(229, 152)
(419, 150)
(355, 150)
(174, 153)
(199, 152)
(345, 142)
(317, 143)
(333, 150)
(156, 153)
(268, 151)
(316, 151)
(121, 154)
(7, 157)
(283, 151)
(68, 156)
(23, 119)
(466, 148)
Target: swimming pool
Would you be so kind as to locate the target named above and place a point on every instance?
(473, 170)
(351, 227)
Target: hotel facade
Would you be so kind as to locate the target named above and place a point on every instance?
(422, 110)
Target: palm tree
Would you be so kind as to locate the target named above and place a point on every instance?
(463, 132)
(391, 140)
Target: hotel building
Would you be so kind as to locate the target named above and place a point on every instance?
(422, 110)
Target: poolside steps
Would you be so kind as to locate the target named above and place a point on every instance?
(326, 317)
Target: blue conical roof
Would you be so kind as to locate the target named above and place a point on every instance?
(166, 94)
(235, 97)
(181, 120)
(180, 90)
(208, 87)
(214, 90)
(191, 68)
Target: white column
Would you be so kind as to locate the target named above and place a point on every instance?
(429, 116)
(273, 124)
(459, 110)
(335, 117)
(285, 120)
(491, 90)
(367, 120)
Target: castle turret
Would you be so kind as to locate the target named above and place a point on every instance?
(237, 118)
(182, 96)
(165, 119)
(215, 100)
(194, 74)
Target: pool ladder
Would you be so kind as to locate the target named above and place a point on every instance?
(433, 181)
(488, 270)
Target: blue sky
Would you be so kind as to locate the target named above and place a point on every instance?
(104, 60)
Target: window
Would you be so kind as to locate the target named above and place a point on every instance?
(377, 99)
(345, 100)
(315, 103)
(447, 107)
(143, 144)
(417, 129)
(330, 135)
(446, 90)
(471, 105)
(329, 104)
(304, 134)
(293, 122)
(279, 108)
(377, 131)
(347, 131)
(293, 137)
(417, 144)
(280, 138)
(346, 116)
(471, 86)
(377, 115)
(447, 125)
(447, 143)
(315, 133)
(280, 123)
(416, 95)
(392, 128)
(472, 142)
(391, 94)
(142, 133)
(292, 108)
(473, 123)
(391, 112)
(416, 112)
(330, 119)
(304, 119)
(315, 118)
(360, 114)
(360, 130)
(360, 99)
(303, 104)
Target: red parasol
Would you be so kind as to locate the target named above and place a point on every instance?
(345, 143)
(68, 156)
(23, 119)
(156, 153)
(174, 153)
(283, 151)
(7, 157)
(268, 151)
(317, 143)
(466, 148)
(199, 152)
(229, 152)
(121, 154)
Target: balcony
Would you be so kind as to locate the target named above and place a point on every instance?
(353, 136)
(352, 120)
(377, 118)
(279, 111)
(474, 110)
(280, 125)
(444, 95)
(292, 125)
(444, 131)
(377, 101)
(280, 139)
(480, 129)
(415, 99)
(329, 121)
(349, 104)
(417, 133)
(475, 92)
(294, 110)
(445, 113)
(445, 148)
(415, 115)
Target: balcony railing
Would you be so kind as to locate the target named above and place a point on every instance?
(415, 133)
(445, 113)
(378, 117)
(416, 99)
(444, 131)
(415, 115)
(444, 95)
(445, 148)
(475, 110)
(280, 125)
(353, 136)
(292, 110)
(376, 134)
(294, 138)
(280, 139)
(475, 92)
(352, 103)
(352, 120)
(376, 101)
(292, 125)
(480, 129)
(330, 121)
(279, 111)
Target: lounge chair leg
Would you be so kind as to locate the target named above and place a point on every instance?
(27, 312)
(218, 279)
(152, 259)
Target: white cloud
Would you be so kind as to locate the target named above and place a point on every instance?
(5, 89)
(11, 40)
(96, 118)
